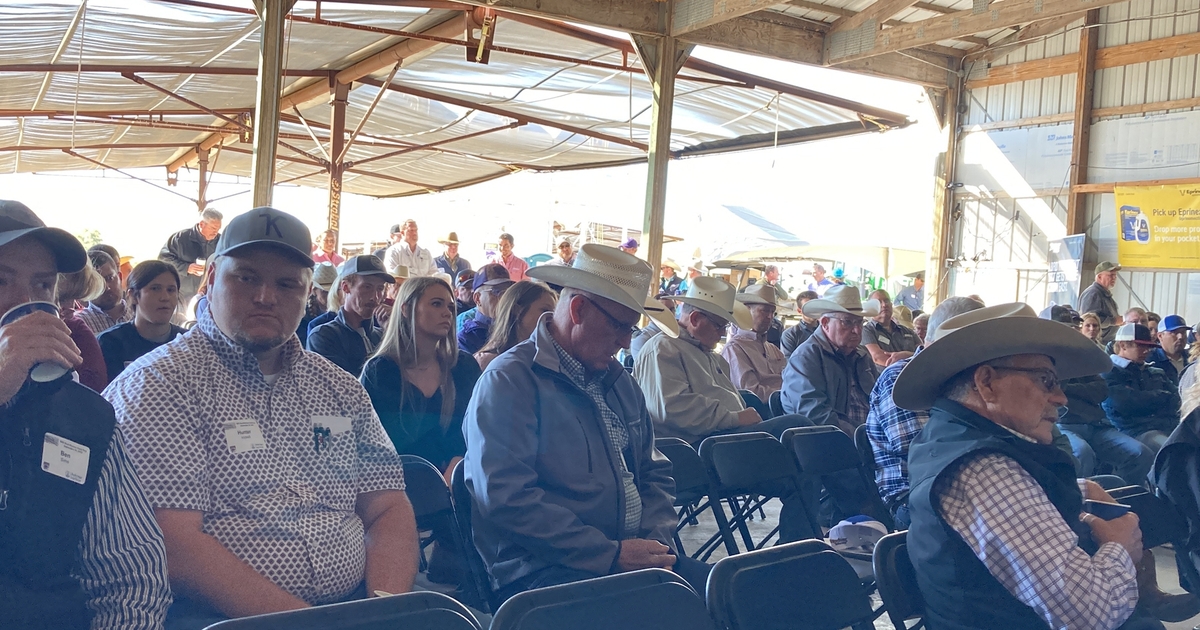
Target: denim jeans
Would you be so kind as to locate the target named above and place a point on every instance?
(1130, 457)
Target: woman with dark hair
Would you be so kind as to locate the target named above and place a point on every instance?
(153, 293)
(516, 317)
(418, 379)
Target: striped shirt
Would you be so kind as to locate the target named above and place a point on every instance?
(99, 321)
(123, 568)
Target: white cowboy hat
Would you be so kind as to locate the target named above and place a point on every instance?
(696, 264)
(841, 298)
(764, 294)
(991, 333)
(667, 262)
(325, 275)
(614, 275)
(714, 295)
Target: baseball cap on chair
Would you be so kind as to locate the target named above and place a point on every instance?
(268, 227)
(17, 220)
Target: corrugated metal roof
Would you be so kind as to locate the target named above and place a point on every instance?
(539, 106)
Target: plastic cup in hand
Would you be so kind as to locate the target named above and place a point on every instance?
(42, 372)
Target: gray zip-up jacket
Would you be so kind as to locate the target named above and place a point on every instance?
(817, 381)
(545, 481)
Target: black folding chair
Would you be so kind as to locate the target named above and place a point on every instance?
(423, 609)
(691, 487)
(776, 403)
(754, 465)
(831, 456)
(797, 586)
(430, 499)
(484, 598)
(862, 443)
(651, 598)
(897, 582)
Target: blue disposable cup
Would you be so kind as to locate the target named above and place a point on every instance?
(42, 372)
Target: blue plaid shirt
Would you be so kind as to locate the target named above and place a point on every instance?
(891, 430)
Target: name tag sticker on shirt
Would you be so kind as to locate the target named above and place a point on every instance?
(883, 339)
(63, 458)
(243, 436)
(336, 424)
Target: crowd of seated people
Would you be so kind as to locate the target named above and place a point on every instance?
(235, 469)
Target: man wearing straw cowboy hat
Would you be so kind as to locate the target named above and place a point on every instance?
(997, 537)
(687, 385)
(560, 455)
(755, 364)
(450, 262)
(828, 379)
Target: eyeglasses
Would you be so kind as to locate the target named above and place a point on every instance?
(618, 326)
(849, 323)
(1046, 377)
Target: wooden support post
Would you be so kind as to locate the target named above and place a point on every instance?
(936, 275)
(202, 188)
(266, 107)
(337, 142)
(662, 57)
(1085, 87)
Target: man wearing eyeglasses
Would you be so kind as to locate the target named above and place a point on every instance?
(489, 285)
(828, 379)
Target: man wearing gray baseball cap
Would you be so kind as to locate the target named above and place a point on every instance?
(79, 543)
(274, 483)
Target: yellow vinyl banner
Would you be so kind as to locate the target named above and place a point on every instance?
(1158, 226)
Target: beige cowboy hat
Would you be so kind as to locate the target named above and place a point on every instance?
(325, 275)
(841, 298)
(614, 275)
(991, 333)
(903, 316)
(764, 294)
(399, 272)
(667, 262)
(697, 264)
(715, 296)
(449, 239)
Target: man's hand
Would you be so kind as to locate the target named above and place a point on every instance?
(1093, 491)
(195, 269)
(1124, 531)
(638, 553)
(748, 417)
(36, 338)
(898, 356)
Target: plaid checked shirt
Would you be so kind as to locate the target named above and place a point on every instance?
(618, 434)
(891, 430)
(1009, 523)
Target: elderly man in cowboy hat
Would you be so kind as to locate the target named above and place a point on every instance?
(886, 340)
(687, 385)
(755, 364)
(671, 280)
(998, 538)
(450, 262)
(828, 379)
(560, 455)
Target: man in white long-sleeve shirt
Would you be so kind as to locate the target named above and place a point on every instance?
(998, 538)
(406, 253)
(687, 386)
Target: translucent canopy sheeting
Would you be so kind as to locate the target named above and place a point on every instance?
(157, 74)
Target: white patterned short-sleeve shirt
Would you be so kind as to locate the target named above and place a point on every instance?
(275, 468)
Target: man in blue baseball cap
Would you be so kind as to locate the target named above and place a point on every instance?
(1171, 356)
(489, 285)
(274, 483)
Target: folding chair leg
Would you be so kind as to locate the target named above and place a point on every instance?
(723, 526)
(741, 513)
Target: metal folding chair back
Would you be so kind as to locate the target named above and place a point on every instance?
(423, 609)
(776, 403)
(862, 442)
(691, 487)
(651, 598)
(484, 596)
(897, 581)
(827, 452)
(797, 586)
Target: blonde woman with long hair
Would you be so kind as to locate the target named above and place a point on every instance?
(418, 379)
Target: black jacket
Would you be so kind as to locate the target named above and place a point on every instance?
(343, 345)
(42, 522)
(184, 248)
(1140, 399)
(1085, 396)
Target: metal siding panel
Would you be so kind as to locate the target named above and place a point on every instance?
(1183, 77)
(1133, 89)
(1052, 96)
(1139, 29)
(1067, 93)
(1012, 101)
(1031, 103)
(1115, 29)
(1109, 87)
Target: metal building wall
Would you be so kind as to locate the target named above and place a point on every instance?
(987, 224)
